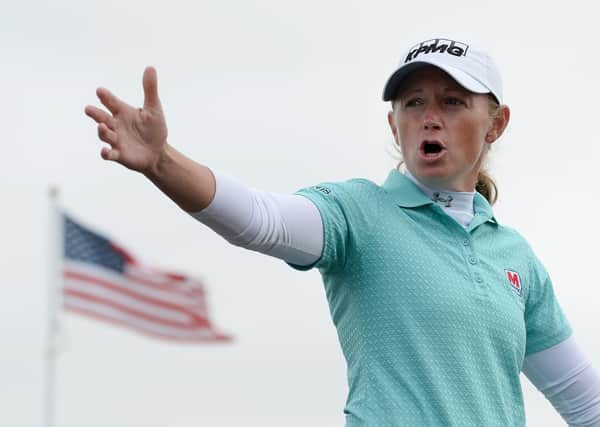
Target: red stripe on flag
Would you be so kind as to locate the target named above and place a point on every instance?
(170, 285)
(215, 337)
(196, 321)
(69, 274)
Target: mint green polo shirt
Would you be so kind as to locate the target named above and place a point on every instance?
(434, 320)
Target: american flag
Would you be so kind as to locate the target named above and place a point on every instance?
(105, 282)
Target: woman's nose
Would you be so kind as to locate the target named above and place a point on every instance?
(431, 118)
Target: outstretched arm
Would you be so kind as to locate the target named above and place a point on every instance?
(137, 139)
(285, 226)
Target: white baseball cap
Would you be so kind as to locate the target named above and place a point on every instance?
(472, 68)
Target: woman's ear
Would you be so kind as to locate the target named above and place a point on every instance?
(499, 124)
(393, 126)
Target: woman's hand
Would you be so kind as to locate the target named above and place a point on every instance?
(137, 136)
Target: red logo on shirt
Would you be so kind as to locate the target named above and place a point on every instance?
(514, 280)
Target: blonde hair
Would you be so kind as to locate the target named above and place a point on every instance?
(486, 186)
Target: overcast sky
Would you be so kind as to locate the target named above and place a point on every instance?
(281, 95)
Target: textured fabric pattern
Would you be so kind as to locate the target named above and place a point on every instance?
(434, 319)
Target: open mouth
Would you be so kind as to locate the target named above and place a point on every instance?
(432, 148)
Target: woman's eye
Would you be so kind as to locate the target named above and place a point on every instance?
(451, 100)
(413, 102)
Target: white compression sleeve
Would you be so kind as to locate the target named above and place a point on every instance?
(286, 226)
(565, 375)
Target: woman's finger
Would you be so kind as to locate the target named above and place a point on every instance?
(100, 116)
(107, 135)
(108, 153)
(110, 101)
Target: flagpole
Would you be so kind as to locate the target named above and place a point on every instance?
(55, 244)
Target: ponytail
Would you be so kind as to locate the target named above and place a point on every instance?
(485, 184)
(486, 187)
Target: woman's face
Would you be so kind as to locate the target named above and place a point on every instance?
(443, 130)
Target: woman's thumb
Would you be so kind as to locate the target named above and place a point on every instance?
(150, 83)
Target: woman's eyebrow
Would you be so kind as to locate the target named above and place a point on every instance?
(409, 91)
(456, 89)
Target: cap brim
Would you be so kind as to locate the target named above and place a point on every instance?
(393, 84)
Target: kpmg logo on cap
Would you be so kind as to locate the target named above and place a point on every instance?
(451, 47)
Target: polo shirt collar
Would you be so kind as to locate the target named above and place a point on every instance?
(407, 194)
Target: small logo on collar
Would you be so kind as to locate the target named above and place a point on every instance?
(447, 200)
(514, 280)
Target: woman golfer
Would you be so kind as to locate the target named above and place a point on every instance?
(438, 306)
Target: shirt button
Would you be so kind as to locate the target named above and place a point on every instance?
(466, 242)
(472, 260)
(478, 279)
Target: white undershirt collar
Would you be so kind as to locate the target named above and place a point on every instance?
(457, 204)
